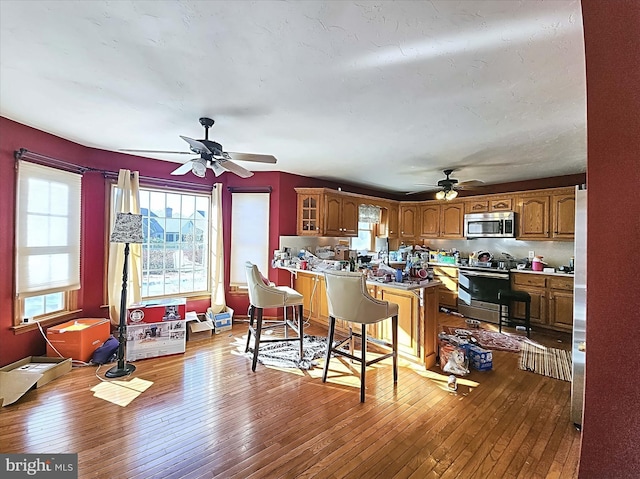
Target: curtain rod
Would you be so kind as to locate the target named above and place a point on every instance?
(250, 189)
(24, 154)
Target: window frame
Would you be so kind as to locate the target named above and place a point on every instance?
(70, 296)
(237, 287)
(195, 295)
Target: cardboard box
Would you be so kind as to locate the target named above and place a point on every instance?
(156, 311)
(33, 371)
(197, 330)
(78, 339)
(480, 359)
(152, 340)
(223, 321)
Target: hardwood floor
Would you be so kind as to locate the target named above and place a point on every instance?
(207, 415)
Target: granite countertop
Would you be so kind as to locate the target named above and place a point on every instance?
(404, 286)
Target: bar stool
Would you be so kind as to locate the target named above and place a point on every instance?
(263, 295)
(505, 298)
(349, 300)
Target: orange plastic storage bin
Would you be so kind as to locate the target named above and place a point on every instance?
(78, 339)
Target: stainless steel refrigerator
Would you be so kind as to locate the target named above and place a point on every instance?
(579, 308)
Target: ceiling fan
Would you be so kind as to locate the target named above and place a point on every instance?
(212, 156)
(450, 186)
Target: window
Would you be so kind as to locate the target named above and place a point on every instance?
(47, 241)
(175, 252)
(249, 234)
(366, 235)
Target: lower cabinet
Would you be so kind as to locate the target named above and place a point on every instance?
(551, 299)
(448, 292)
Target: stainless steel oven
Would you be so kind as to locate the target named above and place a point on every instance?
(478, 292)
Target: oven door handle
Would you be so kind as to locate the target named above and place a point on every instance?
(484, 275)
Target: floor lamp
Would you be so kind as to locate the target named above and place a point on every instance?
(127, 229)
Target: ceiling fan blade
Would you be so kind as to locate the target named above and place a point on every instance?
(470, 184)
(253, 157)
(233, 168)
(196, 146)
(158, 151)
(183, 169)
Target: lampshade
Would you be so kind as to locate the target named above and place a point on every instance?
(127, 228)
(199, 167)
(451, 194)
(440, 195)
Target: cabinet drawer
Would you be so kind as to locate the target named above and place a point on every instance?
(445, 271)
(530, 280)
(476, 206)
(560, 283)
(502, 204)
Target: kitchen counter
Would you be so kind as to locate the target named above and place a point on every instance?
(417, 311)
(529, 271)
(404, 286)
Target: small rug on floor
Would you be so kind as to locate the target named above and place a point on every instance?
(554, 363)
(287, 355)
(490, 339)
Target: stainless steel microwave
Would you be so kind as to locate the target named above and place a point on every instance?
(490, 225)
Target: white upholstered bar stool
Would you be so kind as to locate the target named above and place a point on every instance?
(263, 294)
(349, 300)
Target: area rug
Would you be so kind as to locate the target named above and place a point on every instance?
(287, 355)
(554, 363)
(490, 339)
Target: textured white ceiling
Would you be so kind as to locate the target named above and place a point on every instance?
(384, 94)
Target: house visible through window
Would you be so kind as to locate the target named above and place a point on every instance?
(47, 241)
(175, 252)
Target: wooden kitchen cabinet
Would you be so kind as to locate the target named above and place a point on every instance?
(448, 292)
(452, 220)
(314, 304)
(563, 214)
(324, 212)
(441, 220)
(534, 217)
(408, 221)
(485, 204)
(547, 214)
(535, 285)
(560, 303)
(430, 220)
(393, 225)
(408, 317)
(310, 218)
(551, 299)
(341, 215)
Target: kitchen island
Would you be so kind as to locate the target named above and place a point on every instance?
(417, 316)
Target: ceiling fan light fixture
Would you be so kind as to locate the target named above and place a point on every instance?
(440, 195)
(199, 167)
(451, 194)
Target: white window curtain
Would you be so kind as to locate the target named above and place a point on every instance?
(218, 301)
(47, 230)
(249, 234)
(127, 200)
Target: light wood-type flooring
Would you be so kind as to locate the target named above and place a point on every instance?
(207, 415)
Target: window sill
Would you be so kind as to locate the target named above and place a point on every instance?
(48, 322)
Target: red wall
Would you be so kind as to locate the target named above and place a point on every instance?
(611, 427)
(14, 136)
